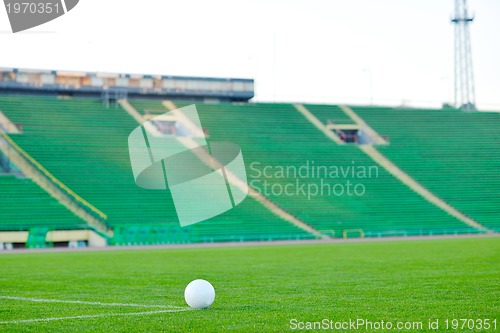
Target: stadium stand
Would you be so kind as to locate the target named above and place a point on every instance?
(452, 153)
(84, 145)
(277, 135)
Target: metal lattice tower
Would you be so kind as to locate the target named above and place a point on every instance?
(465, 96)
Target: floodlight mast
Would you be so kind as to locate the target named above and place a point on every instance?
(465, 96)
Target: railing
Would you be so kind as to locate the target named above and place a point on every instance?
(130, 235)
(421, 232)
(85, 204)
(253, 238)
(179, 237)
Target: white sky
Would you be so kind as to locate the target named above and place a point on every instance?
(296, 50)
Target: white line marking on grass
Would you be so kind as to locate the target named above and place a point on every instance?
(42, 300)
(35, 320)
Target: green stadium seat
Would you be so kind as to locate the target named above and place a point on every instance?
(452, 153)
(84, 145)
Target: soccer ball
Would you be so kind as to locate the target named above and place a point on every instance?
(199, 294)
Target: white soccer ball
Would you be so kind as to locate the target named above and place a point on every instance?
(199, 294)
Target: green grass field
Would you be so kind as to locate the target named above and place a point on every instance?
(259, 288)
